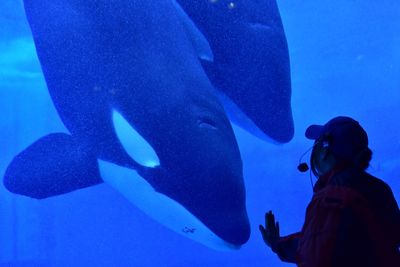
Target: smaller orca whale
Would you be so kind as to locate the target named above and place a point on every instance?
(250, 65)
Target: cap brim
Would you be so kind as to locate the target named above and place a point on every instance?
(313, 132)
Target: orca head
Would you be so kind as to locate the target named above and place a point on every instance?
(197, 191)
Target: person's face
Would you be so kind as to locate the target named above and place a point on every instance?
(319, 157)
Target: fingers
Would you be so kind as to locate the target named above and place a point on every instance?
(269, 219)
(272, 219)
(262, 230)
(270, 232)
(265, 235)
(277, 229)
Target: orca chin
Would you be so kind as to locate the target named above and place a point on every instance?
(241, 120)
(160, 207)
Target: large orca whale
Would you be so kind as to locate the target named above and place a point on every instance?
(125, 71)
(126, 79)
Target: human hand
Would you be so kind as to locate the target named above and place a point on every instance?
(270, 233)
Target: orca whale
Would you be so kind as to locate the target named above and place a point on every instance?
(130, 81)
(251, 63)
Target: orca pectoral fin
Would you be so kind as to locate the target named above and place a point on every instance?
(55, 164)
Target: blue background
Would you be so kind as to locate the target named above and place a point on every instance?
(345, 60)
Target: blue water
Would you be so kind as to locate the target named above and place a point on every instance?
(345, 60)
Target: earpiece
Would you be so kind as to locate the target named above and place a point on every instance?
(325, 144)
(326, 139)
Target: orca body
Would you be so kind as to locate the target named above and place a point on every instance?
(107, 64)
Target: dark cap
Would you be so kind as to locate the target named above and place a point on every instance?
(345, 136)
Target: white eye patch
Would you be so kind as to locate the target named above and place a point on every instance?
(134, 144)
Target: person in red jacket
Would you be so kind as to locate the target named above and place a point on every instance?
(353, 218)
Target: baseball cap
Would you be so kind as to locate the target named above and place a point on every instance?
(345, 136)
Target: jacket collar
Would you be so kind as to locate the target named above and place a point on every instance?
(325, 179)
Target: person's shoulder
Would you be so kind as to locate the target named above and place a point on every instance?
(379, 192)
(368, 185)
(376, 183)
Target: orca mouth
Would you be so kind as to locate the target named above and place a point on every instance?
(207, 123)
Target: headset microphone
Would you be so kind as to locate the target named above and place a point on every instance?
(303, 167)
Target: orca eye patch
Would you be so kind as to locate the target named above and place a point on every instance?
(134, 144)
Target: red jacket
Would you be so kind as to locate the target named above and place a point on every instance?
(352, 220)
